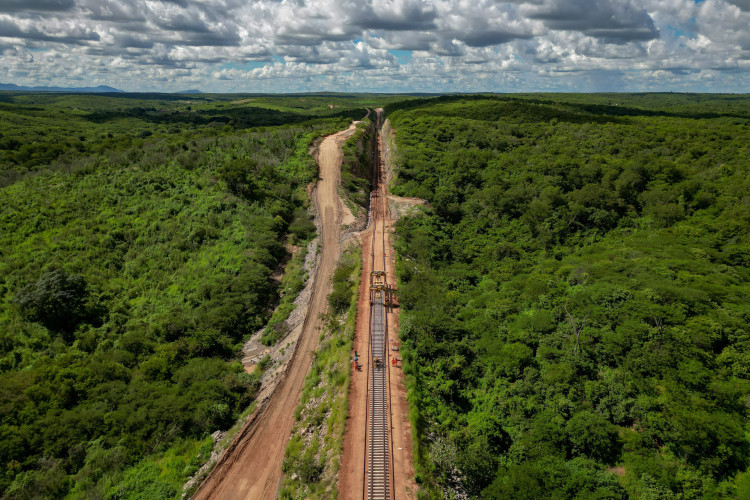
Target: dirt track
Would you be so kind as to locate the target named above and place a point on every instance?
(353, 461)
(251, 467)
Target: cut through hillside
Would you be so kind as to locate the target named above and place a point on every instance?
(377, 255)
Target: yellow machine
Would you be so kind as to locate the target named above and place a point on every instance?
(379, 289)
(377, 277)
(378, 293)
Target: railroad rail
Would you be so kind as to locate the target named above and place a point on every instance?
(378, 445)
(379, 458)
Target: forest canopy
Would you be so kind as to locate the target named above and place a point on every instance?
(138, 238)
(574, 294)
(575, 315)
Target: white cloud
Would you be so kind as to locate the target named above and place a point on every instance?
(615, 21)
(450, 45)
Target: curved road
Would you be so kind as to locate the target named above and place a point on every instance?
(251, 467)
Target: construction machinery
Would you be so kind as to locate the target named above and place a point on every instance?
(380, 291)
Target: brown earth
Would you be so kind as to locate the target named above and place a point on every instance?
(352, 469)
(250, 468)
(377, 253)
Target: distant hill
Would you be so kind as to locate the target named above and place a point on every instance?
(192, 91)
(100, 88)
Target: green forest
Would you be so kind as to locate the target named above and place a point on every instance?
(575, 296)
(139, 236)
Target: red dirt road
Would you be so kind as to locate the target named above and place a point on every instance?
(250, 468)
(353, 461)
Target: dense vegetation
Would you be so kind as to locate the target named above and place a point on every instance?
(48, 131)
(136, 258)
(575, 298)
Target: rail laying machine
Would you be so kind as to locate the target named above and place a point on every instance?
(380, 291)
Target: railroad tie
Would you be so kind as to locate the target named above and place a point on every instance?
(378, 474)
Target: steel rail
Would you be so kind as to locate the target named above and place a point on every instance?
(379, 480)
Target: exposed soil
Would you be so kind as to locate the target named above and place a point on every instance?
(399, 206)
(347, 217)
(352, 469)
(353, 461)
(250, 468)
(619, 471)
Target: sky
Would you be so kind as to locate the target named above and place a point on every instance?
(378, 45)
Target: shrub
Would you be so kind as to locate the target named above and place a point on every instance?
(57, 300)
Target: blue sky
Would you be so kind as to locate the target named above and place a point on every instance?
(378, 45)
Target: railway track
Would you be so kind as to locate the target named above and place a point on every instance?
(378, 445)
(379, 473)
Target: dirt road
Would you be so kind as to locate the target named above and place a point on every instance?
(251, 466)
(377, 254)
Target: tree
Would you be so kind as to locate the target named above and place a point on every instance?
(238, 176)
(592, 435)
(57, 300)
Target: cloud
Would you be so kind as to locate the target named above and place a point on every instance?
(333, 44)
(70, 34)
(392, 15)
(482, 23)
(485, 38)
(113, 10)
(742, 4)
(127, 40)
(615, 21)
(410, 40)
(324, 53)
(8, 6)
(183, 21)
(724, 27)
